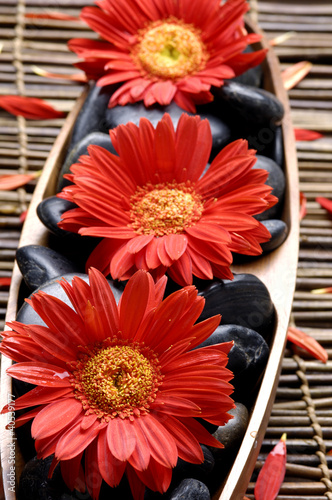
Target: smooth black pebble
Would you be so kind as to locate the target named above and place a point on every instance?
(279, 232)
(39, 264)
(276, 180)
(81, 148)
(243, 301)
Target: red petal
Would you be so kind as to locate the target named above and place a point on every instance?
(9, 182)
(104, 303)
(110, 467)
(272, 473)
(75, 440)
(160, 442)
(139, 291)
(306, 135)
(308, 343)
(325, 203)
(47, 422)
(29, 107)
(175, 245)
(42, 374)
(295, 73)
(121, 438)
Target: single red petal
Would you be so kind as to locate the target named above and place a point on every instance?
(325, 203)
(292, 75)
(175, 245)
(47, 422)
(303, 206)
(139, 291)
(51, 15)
(104, 302)
(39, 396)
(111, 469)
(272, 473)
(5, 281)
(121, 438)
(43, 374)
(29, 107)
(301, 339)
(302, 134)
(9, 182)
(157, 477)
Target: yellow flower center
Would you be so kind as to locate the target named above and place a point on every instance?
(118, 380)
(165, 208)
(170, 49)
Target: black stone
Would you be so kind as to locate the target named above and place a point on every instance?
(255, 106)
(276, 150)
(190, 489)
(92, 115)
(243, 301)
(231, 434)
(50, 211)
(118, 115)
(35, 485)
(278, 230)
(247, 358)
(196, 471)
(39, 264)
(276, 180)
(28, 316)
(81, 148)
(72, 245)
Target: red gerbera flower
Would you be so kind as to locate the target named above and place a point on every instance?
(124, 380)
(153, 209)
(166, 51)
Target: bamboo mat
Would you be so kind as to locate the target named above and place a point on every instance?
(303, 406)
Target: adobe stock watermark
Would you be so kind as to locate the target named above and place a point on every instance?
(11, 474)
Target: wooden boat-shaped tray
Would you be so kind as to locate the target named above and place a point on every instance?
(276, 269)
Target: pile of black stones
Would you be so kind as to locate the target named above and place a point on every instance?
(241, 109)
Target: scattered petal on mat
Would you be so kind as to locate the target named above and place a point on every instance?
(278, 40)
(294, 74)
(303, 206)
(29, 107)
(51, 15)
(319, 291)
(307, 343)
(302, 134)
(325, 203)
(272, 474)
(5, 282)
(9, 182)
(75, 77)
(23, 216)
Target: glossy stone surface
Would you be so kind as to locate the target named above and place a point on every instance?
(35, 485)
(256, 106)
(81, 148)
(276, 180)
(75, 247)
(118, 115)
(244, 301)
(278, 230)
(92, 115)
(190, 489)
(247, 358)
(50, 211)
(231, 434)
(40, 264)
